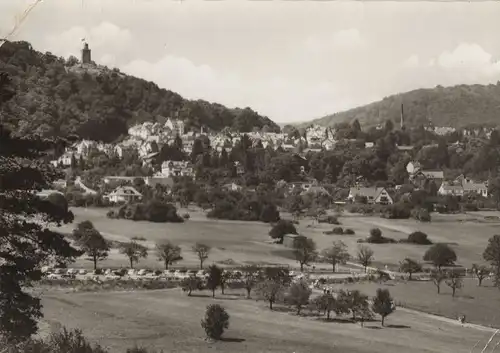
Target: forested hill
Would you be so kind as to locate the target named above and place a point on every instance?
(456, 106)
(56, 97)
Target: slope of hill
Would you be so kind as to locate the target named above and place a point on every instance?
(55, 97)
(456, 106)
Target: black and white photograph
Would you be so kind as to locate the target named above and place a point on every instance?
(239, 176)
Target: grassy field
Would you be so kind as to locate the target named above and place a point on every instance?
(479, 304)
(169, 320)
(245, 242)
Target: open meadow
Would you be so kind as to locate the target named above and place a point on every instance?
(246, 242)
(170, 320)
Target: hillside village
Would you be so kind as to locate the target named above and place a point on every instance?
(146, 139)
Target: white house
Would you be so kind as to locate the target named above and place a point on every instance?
(372, 194)
(176, 168)
(124, 194)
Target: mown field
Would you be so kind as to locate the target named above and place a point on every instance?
(169, 320)
(246, 242)
(479, 304)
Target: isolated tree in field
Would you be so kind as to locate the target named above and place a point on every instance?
(375, 234)
(481, 272)
(383, 304)
(225, 277)
(299, 294)
(281, 228)
(91, 242)
(304, 250)
(168, 253)
(251, 276)
(214, 278)
(190, 284)
(409, 266)
(215, 322)
(25, 244)
(357, 303)
(202, 251)
(134, 252)
(454, 281)
(336, 254)
(440, 255)
(365, 256)
(437, 277)
(492, 255)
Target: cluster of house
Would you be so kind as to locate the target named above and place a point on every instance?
(420, 178)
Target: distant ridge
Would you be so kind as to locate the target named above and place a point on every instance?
(455, 106)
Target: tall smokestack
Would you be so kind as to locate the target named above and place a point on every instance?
(402, 117)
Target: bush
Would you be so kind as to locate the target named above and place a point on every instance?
(329, 219)
(349, 231)
(419, 238)
(399, 210)
(215, 322)
(153, 211)
(282, 228)
(112, 214)
(338, 230)
(186, 216)
(377, 238)
(421, 214)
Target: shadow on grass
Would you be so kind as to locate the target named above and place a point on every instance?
(336, 320)
(194, 295)
(373, 327)
(232, 339)
(398, 326)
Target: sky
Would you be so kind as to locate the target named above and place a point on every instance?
(289, 60)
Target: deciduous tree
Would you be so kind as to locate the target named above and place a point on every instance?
(202, 251)
(440, 255)
(410, 266)
(336, 254)
(481, 272)
(91, 242)
(299, 294)
(25, 242)
(215, 322)
(214, 278)
(437, 277)
(492, 255)
(134, 251)
(454, 281)
(190, 284)
(365, 256)
(251, 276)
(383, 304)
(304, 251)
(168, 253)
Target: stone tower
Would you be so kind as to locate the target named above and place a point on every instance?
(86, 54)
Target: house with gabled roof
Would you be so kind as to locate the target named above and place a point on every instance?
(124, 194)
(374, 194)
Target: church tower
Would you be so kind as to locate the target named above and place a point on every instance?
(86, 54)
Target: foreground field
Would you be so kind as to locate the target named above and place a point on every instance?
(246, 242)
(479, 304)
(170, 320)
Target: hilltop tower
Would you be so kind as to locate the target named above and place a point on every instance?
(86, 54)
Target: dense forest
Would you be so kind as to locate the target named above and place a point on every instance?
(56, 97)
(457, 106)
